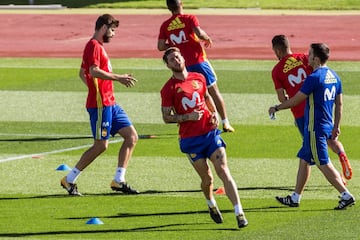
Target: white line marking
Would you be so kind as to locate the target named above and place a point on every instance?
(45, 135)
(33, 155)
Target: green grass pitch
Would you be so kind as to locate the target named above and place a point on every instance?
(43, 124)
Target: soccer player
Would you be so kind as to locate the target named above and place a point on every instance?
(186, 101)
(322, 90)
(106, 116)
(184, 32)
(288, 76)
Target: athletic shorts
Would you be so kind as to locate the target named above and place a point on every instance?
(202, 146)
(107, 121)
(315, 149)
(205, 69)
(299, 122)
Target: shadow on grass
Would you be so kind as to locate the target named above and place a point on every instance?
(151, 192)
(147, 192)
(59, 138)
(159, 228)
(43, 139)
(127, 215)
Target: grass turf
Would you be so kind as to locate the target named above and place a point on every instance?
(261, 156)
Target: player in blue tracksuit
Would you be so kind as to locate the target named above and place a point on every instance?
(322, 90)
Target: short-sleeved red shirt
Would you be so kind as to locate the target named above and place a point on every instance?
(185, 96)
(100, 91)
(178, 32)
(289, 73)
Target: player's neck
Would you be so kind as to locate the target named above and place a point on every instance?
(98, 38)
(180, 75)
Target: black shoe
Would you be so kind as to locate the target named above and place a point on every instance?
(215, 214)
(228, 128)
(70, 187)
(287, 201)
(123, 187)
(343, 204)
(241, 221)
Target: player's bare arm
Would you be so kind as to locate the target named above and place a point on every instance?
(337, 116)
(169, 115)
(295, 100)
(212, 108)
(162, 45)
(126, 79)
(82, 76)
(282, 96)
(203, 36)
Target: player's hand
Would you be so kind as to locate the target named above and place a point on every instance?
(196, 115)
(207, 43)
(214, 120)
(127, 79)
(272, 110)
(335, 133)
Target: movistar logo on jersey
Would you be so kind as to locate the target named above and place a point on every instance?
(291, 63)
(191, 103)
(175, 24)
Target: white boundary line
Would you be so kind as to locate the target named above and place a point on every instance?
(34, 155)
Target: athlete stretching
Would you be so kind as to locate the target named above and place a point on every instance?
(185, 100)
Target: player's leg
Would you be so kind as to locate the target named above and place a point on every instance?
(302, 178)
(215, 151)
(303, 174)
(100, 131)
(202, 168)
(334, 178)
(218, 158)
(321, 157)
(293, 200)
(219, 161)
(122, 125)
(337, 147)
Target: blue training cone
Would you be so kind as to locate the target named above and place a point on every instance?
(94, 221)
(63, 167)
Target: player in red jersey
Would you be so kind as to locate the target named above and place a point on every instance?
(288, 76)
(106, 117)
(184, 32)
(186, 101)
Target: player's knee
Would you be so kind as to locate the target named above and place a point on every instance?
(207, 181)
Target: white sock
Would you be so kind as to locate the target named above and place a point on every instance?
(225, 121)
(211, 203)
(73, 175)
(238, 209)
(120, 174)
(296, 197)
(346, 195)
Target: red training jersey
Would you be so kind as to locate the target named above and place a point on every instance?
(289, 73)
(100, 91)
(178, 32)
(185, 96)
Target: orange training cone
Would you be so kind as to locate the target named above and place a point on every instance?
(220, 191)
